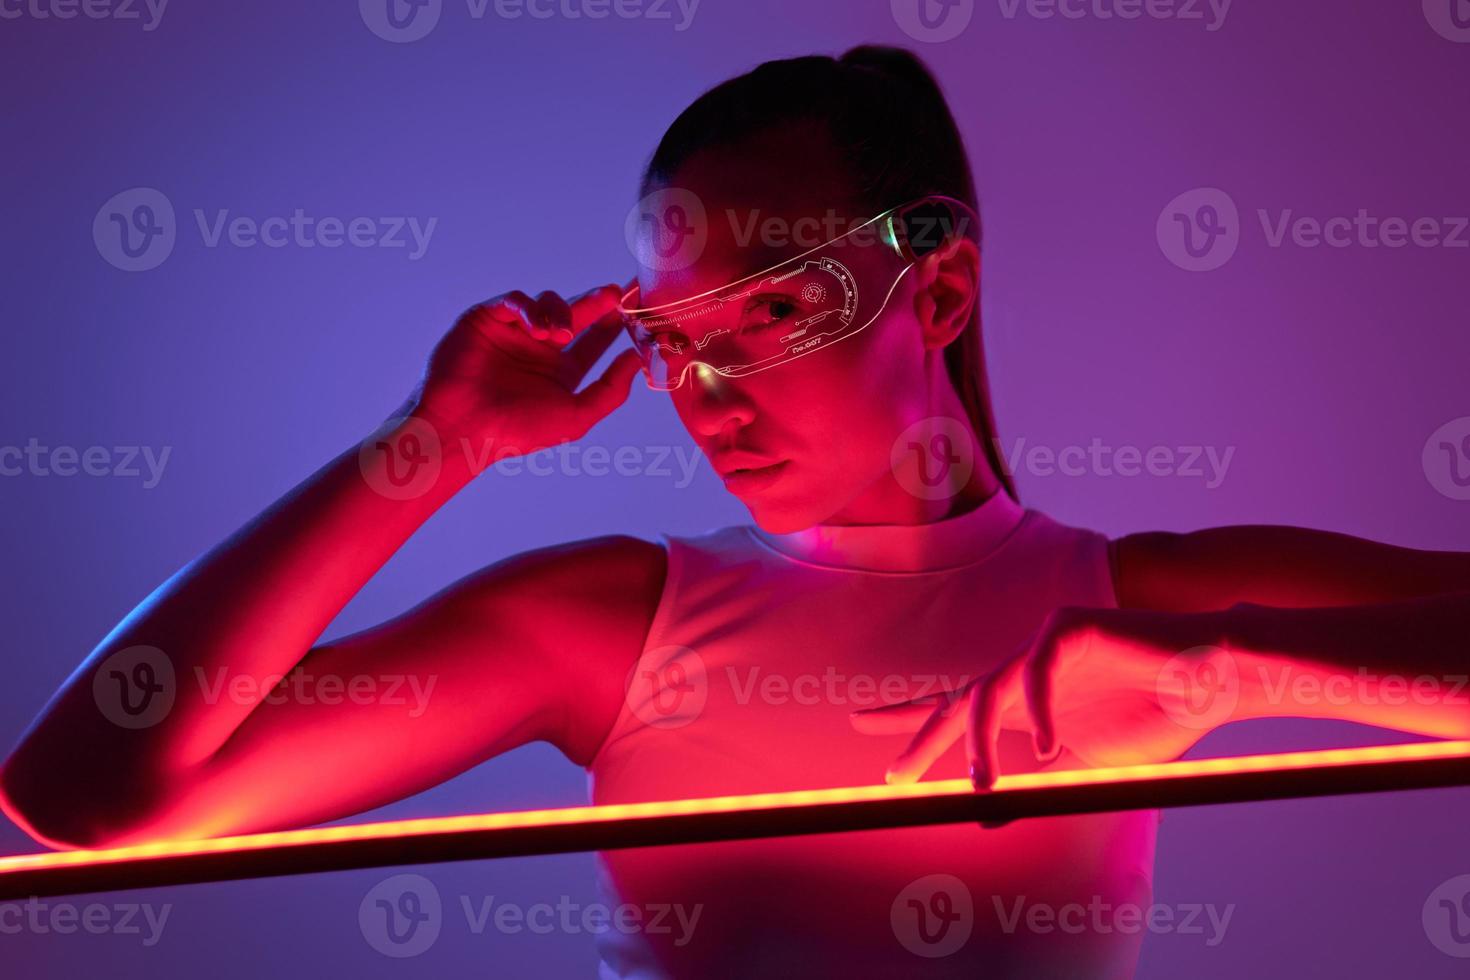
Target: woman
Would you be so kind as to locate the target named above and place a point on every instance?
(887, 567)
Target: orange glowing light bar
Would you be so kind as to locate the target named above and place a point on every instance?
(1419, 765)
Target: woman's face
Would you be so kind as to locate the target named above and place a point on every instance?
(808, 441)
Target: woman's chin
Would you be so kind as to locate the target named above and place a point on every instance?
(783, 517)
(778, 524)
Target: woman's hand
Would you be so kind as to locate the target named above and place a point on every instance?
(509, 369)
(1114, 687)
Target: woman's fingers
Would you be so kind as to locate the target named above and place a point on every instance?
(592, 343)
(511, 321)
(1018, 695)
(1021, 694)
(984, 708)
(592, 306)
(515, 308)
(549, 326)
(554, 322)
(945, 724)
(901, 718)
(550, 318)
(596, 401)
(1040, 683)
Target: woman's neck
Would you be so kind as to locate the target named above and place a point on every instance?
(943, 472)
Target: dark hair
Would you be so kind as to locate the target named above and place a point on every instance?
(892, 125)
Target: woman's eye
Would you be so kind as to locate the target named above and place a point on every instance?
(767, 310)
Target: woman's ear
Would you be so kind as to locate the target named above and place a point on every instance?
(946, 291)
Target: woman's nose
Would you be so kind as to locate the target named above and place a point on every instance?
(714, 401)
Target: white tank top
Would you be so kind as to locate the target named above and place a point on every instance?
(760, 647)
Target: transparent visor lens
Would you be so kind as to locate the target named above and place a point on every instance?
(786, 312)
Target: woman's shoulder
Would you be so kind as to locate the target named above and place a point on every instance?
(591, 563)
(1078, 555)
(591, 586)
(580, 609)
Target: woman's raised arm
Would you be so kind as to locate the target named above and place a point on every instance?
(207, 709)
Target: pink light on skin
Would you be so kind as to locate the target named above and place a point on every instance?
(1155, 774)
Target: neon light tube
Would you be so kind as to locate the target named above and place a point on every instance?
(1243, 779)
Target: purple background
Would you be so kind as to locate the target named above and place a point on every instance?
(1326, 369)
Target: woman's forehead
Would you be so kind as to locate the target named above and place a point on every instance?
(734, 210)
(689, 244)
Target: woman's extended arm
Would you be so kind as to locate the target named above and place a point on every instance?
(1319, 624)
(208, 711)
(1216, 626)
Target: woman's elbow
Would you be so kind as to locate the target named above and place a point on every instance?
(66, 815)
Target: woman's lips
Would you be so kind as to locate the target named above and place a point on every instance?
(747, 481)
